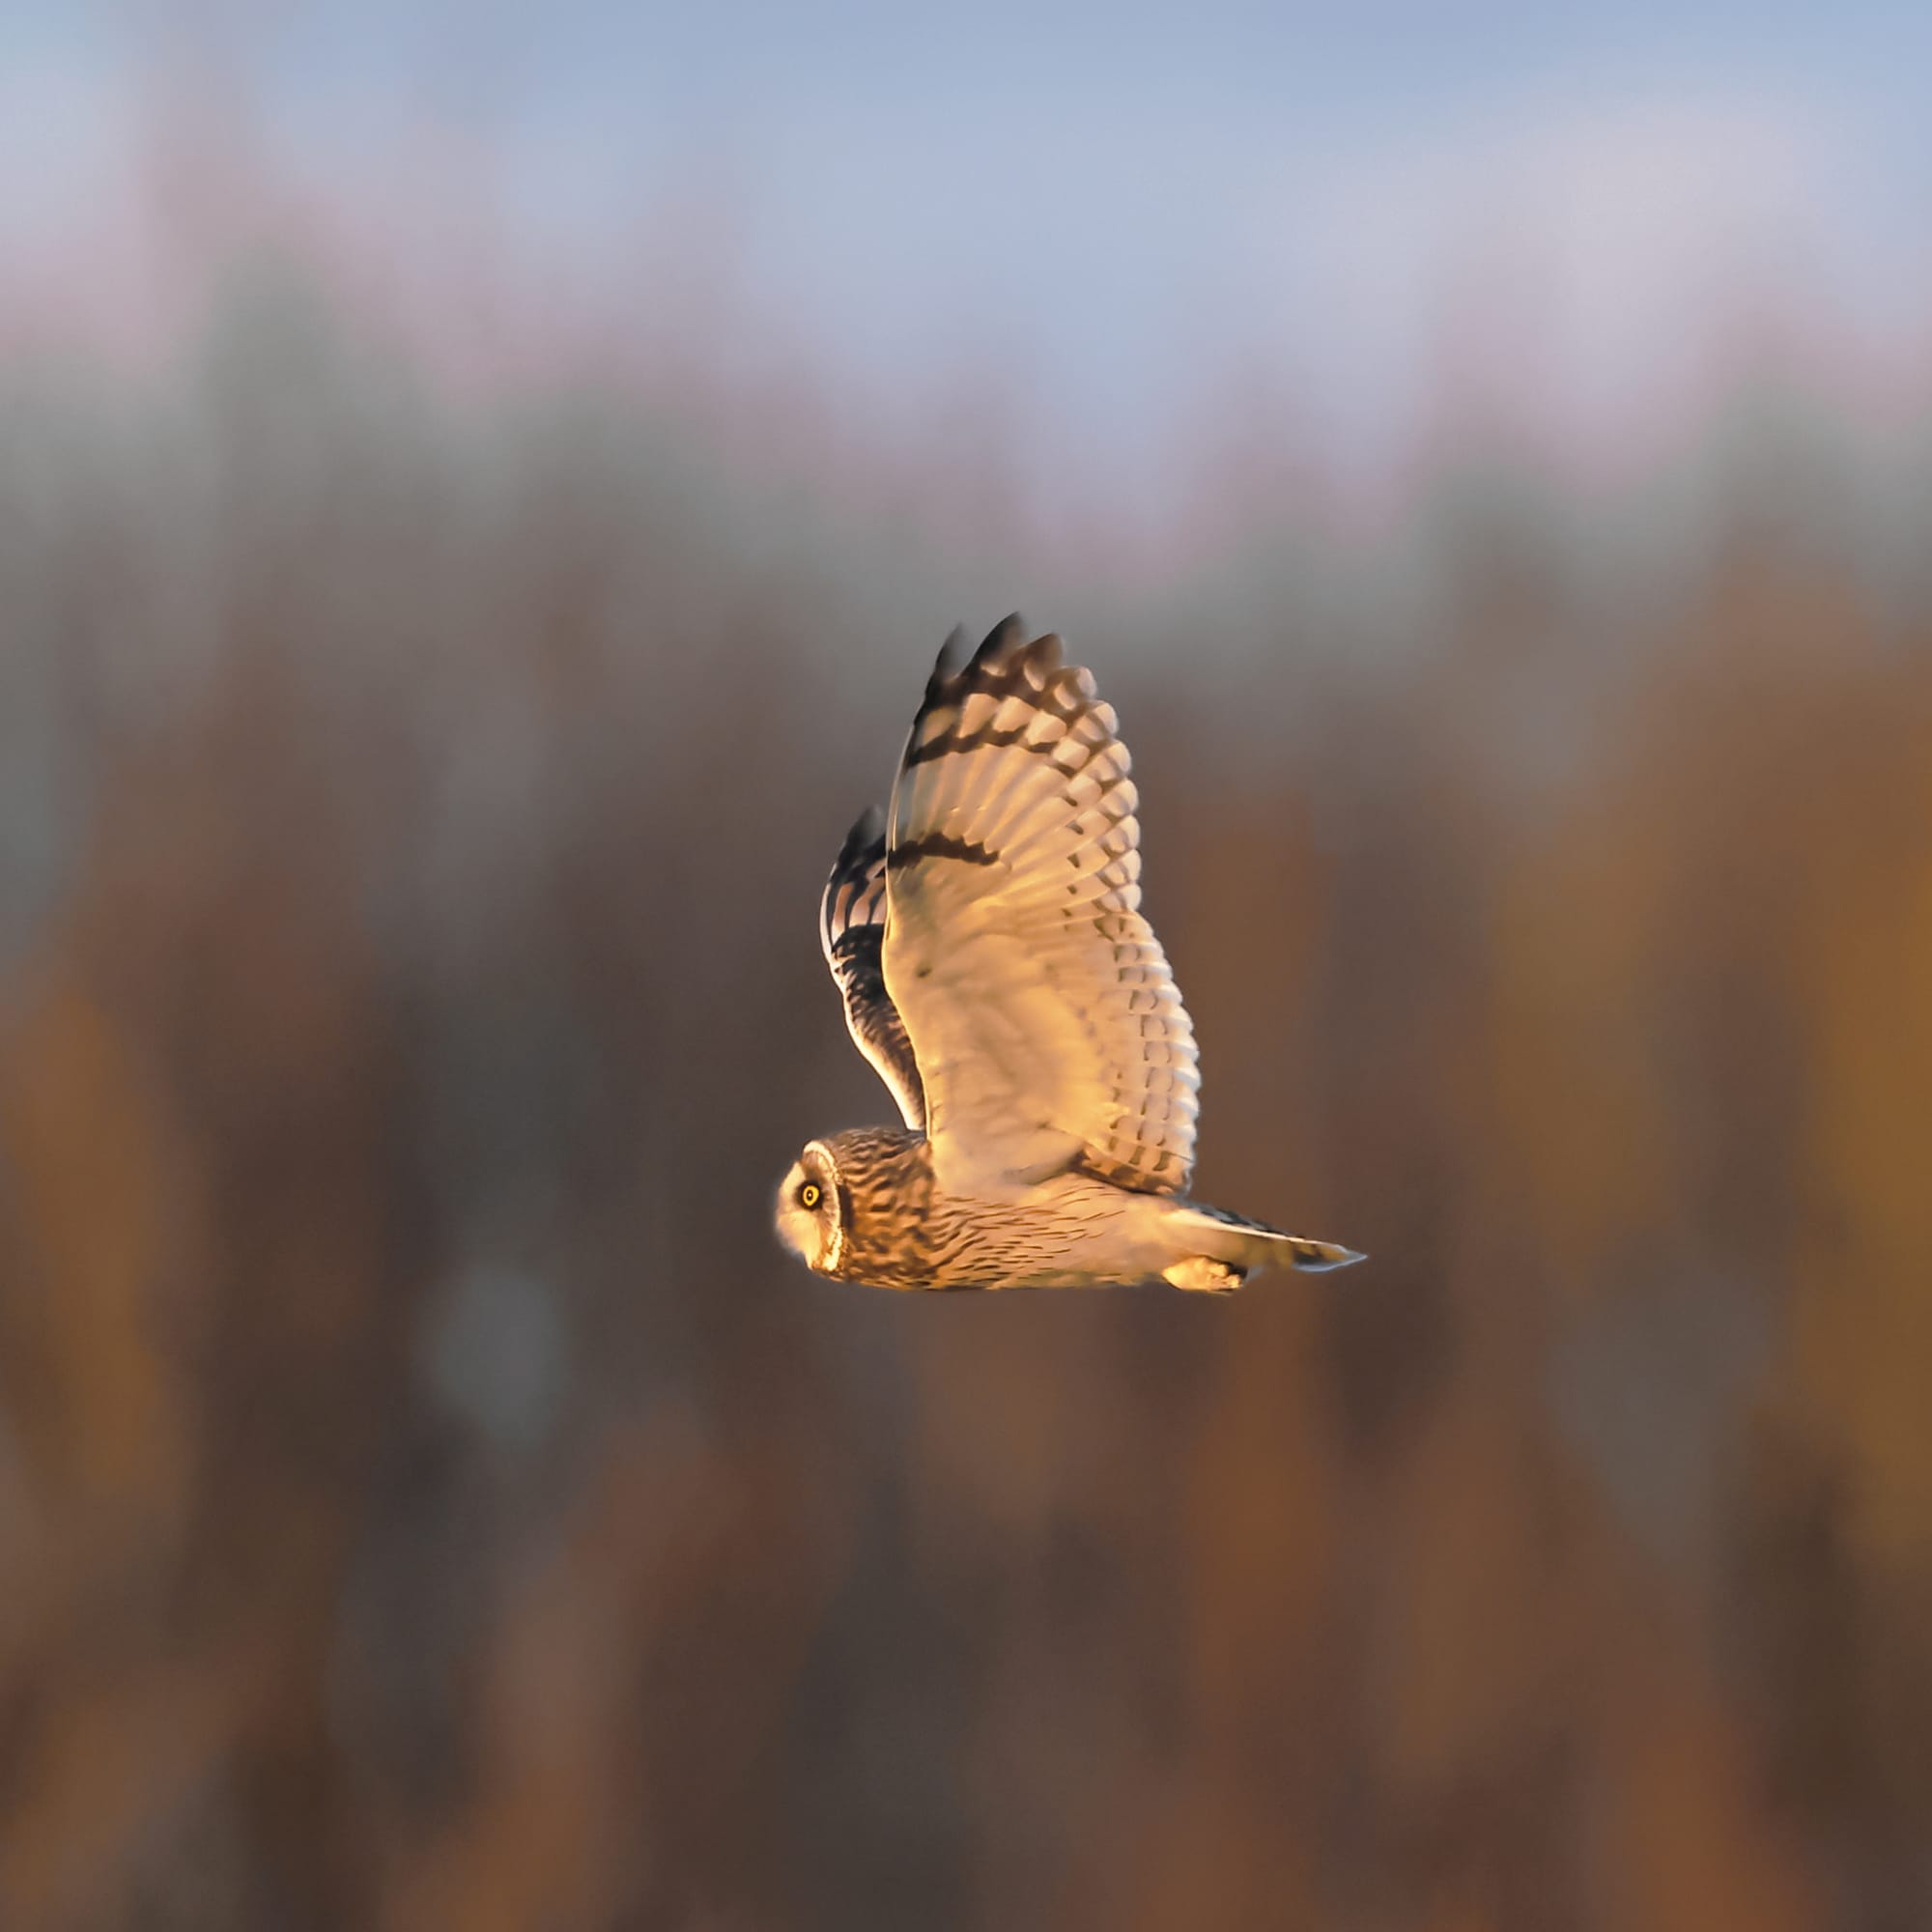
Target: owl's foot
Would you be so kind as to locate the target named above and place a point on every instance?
(1207, 1277)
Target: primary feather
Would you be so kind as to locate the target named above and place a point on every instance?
(1045, 1022)
(851, 931)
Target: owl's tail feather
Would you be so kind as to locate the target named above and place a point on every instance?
(1253, 1244)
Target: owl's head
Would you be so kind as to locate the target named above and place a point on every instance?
(808, 1209)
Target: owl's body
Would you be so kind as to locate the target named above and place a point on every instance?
(893, 1226)
(997, 973)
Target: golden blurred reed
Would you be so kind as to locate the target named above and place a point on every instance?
(428, 1499)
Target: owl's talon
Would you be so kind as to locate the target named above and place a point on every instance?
(1205, 1276)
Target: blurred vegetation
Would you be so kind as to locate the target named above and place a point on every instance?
(428, 1498)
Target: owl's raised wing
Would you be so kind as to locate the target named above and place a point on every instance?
(1048, 1030)
(851, 925)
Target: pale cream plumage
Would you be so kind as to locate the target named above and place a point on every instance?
(1048, 1027)
(998, 973)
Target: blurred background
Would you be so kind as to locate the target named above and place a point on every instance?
(480, 492)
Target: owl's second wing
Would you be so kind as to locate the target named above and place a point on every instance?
(1048, 1028)
(851, 926)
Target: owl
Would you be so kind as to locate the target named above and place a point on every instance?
(987, 938)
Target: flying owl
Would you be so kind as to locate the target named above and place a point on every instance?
(985, 934)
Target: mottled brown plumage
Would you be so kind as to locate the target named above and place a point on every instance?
(987, 941)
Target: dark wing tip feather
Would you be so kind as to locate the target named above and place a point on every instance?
(993, 664)
(952, 656)
(1003, 642)
(853, 875)
(869, 829)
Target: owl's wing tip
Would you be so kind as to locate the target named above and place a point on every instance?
(868, 833)
(952, 653)
(1003, 640)
(1004, 645)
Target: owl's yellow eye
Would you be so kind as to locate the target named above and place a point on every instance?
(811, 1194)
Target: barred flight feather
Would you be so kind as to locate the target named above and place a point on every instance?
(1047, 1030)
(851, 930)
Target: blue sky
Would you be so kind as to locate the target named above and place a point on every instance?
(1132, 210)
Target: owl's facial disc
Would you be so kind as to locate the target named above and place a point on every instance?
(807, 1211)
